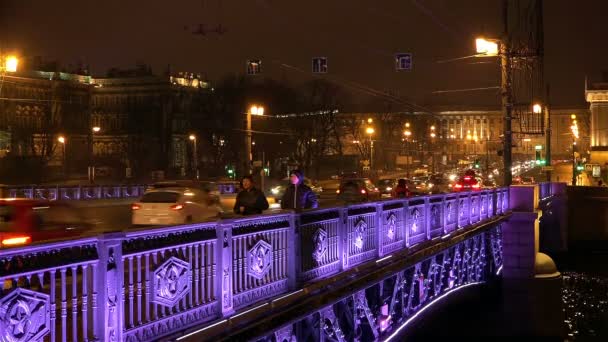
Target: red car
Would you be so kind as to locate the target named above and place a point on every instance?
(467, 182)
(24, 221)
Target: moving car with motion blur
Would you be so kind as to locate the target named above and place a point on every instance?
(211, 188)
(467, 182)
(168, 206)
(358, 190)
(26, 221)
(386, 186)
(278, 191)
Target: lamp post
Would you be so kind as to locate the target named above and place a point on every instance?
(407, 133)
(91, 168)
(491, 48)
(192, 138)
(574, 130)
(370, 131)
(432, 147)
(61, 139)
(253, 110)
(7, 64)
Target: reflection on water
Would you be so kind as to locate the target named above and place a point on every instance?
(585, 298)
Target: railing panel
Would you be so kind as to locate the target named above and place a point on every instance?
(483, 206)
(48, 293)
(392, 228)
(451, 213)
(416, 227)
(361, 242)
(259, 258)
(464, 209)
(319, 244)
(170, 279)
(475, 206)
(436, 216)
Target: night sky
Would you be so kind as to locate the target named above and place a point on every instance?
(358, 37)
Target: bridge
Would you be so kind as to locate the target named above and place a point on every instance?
(361, 270)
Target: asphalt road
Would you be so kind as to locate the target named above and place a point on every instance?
(115, 215)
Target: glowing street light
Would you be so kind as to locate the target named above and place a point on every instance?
(486, 47)
(192, 137)
(256, 110)
(370, 130)
(537, 108)
(11, 63)
(61, 139)
(96, 129)
(370, 120)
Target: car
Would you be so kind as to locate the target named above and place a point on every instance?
(386, 186)
(357, 190)
(523, 180)
(26, 221)
(211, 188)
(279, 190)
(169, 206)
(467, 182)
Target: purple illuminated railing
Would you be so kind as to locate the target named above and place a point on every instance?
(142, 285)
(75, 193)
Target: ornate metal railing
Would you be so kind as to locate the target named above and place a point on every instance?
(142, 285)
(383, 310)
(75, 193)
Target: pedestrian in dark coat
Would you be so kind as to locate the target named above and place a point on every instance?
(250, 200)
(298, 195)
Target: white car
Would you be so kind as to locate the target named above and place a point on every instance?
(168, 206)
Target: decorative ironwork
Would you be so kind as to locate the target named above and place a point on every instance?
(259, 259)
(391, 223)
(359, 232)
(171, 282)
(415, 216)
(435, 216)
(29, 262)
(24, 316)
(319, 240)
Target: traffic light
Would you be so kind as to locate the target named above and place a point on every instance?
(538, 157)
(477, 163)
(580, 167)
(230, 172)
(266, 171)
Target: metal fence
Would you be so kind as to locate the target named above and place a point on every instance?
(75, 193)
(142, 285)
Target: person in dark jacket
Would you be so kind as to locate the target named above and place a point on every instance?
(250, 200)
(298, 195)
(401, 190)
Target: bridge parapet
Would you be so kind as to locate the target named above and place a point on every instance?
(73, 192)
(142, 285)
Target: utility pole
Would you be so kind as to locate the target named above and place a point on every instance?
(507, 97)
(548, 136)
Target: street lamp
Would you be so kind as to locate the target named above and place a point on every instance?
(96, 129)
(494, 47)
(575, 135)
(61, 139)
(192, 138)
(537, 108)
(370, 120)
(11, 63)
(370, 131)
(253, 110)
(91, 168)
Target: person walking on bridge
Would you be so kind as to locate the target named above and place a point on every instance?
(250, 200)
(298, 195)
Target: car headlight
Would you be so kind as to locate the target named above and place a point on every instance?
(388, 188)
(275, 191)
(430, 185)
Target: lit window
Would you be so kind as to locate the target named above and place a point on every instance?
(403, 61)
(319, 65)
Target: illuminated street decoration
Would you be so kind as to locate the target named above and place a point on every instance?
(360, 229)
(319, 239)
(259, 259)
(171, 282)
(24, 316)
(391, 223)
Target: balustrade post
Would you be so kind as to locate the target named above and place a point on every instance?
(110, 284)
(224, 269)
(379, 223)
(293, 251)
(427, 217)
(532, 284)
(343, 238)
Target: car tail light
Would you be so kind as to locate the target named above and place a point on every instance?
(458, 186)
(16, 241)
(476, 186)
(363, 191)
(375, 189)
(177, 207)
(135, 206)
(467, 178)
